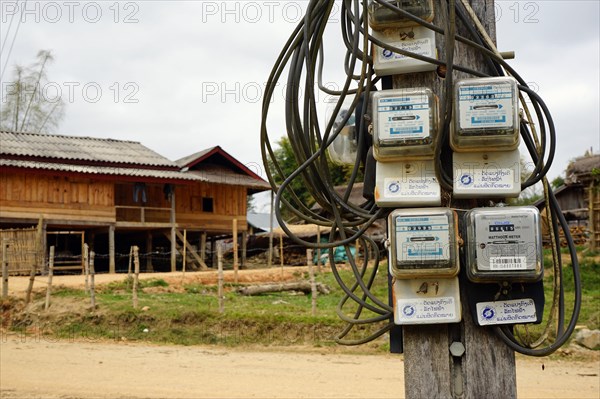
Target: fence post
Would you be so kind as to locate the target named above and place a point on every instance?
(136, 276)
(184, 260)
(32, 274)
(220, 277)
(86, 267)
(92, 280)
(281, 252)
(50, 274)
(4, 268)
(235, 251)
(313, 285)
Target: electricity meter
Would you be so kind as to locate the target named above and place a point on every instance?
(415, 39)
(405, 124)
(406, 184)
(423, 243)
(486, 115)
(504, 244)
(381, 17)
(344, 148)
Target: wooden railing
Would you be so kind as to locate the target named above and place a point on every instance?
(142, 214)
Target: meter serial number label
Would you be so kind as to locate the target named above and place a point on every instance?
(486, 106)
(422, 47)
(508, 263)
(426, 310)
(516, 311)
(404, 117)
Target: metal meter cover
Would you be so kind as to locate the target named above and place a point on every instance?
(405, 124)
(381, 17)
(423, 243)
(504, 244)
(486, 115)
(344, 148)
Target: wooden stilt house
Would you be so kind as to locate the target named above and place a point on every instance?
(112, 194)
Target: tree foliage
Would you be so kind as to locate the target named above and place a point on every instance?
(284, 157)
(28, 104)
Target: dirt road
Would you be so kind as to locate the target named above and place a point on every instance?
(33, 368)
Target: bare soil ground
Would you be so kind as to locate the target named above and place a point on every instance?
(41, 367)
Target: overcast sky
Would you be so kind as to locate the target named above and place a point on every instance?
(181, 76)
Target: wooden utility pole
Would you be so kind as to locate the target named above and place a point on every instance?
(479, 365)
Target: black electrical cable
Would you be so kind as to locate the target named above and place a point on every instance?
(303, 59)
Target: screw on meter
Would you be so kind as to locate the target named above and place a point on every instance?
(381, 17)
(504, 244)
(486, 115)
(405, 124)
(423, 243)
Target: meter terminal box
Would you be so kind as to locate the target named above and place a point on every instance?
(381, 17)
(416, 39)
(423, 243)
(406, 184)
(504, 244)
(405, 124)
(486, 116)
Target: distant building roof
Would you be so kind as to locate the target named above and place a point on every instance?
(129, 159)
(87, 149)
(262, 221)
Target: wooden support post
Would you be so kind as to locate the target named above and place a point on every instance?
(136, 276)
(235, 251)
(92, 280)
(270, 264)
(86, 267)
(213, 251)
(313, 285)
(50, 274)
(203, 246)
(220, 278)
(184, 260)
(173, 249)
(4, 268)
(244, 242)
(487, 368)
(149, 266)
(111, 249)
(173, 234)
(32, 274)
(43, 243)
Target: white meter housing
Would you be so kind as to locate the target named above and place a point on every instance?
(486, 174)
(427, 301)
(423, 243)
(486, 115)
(406, 184)
(381, 17)
(416, 39)
(504, 244)
(343, 150)
(405, 124)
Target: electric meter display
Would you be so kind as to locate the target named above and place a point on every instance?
(423, 243)
(504, 244)
(344, 148)
(381, 17)
(486, 115)
(405, 124)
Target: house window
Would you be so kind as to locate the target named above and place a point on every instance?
(207, 204)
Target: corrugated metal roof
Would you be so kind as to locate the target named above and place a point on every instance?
(190, 158)
(226, 176)
(89, 149)
(100, 170)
